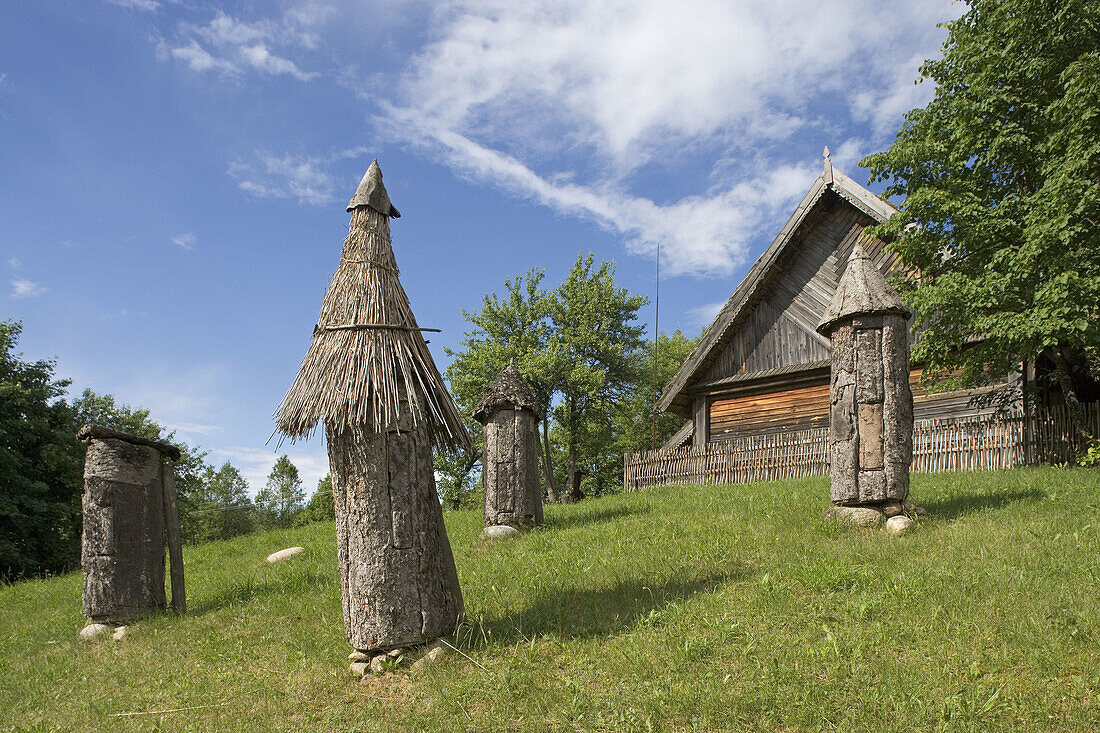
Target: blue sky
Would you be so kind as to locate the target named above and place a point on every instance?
(173, 175)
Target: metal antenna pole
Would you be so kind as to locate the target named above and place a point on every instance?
(656, 341)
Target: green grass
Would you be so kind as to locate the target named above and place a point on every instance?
(686, 608)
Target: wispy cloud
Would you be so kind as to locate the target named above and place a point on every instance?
(560, 104)
(234, 47)
(21, 289)
(704, 315)
(302, 178)
(185, 241)
(144, 5)
(14, 263)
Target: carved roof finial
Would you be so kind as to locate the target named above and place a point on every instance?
(827, 174)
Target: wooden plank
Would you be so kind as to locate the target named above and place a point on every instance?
(172, 533)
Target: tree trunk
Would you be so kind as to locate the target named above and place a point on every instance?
(1069, 395)
(547, 464)
(573, 494)
(398, 577)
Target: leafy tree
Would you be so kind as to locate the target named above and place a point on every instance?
(635, 429)
(1001, 174)
(591, 344)
(104, 410)
(220, 508)
(320, 507)
(40, 466)
(282, 496)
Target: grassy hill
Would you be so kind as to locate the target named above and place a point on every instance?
(685, 608)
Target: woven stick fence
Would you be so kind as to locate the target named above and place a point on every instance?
(973, 443)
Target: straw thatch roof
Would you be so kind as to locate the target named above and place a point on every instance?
(862, 290)
(509, 390)
(368, 361)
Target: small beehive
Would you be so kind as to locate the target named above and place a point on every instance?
(510, 459)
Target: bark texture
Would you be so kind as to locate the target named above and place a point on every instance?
(398, 577)
(123, 541)
(510, 465)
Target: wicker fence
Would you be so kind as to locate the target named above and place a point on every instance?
(980, 442)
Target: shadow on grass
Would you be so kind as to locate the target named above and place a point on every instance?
(248, 589)
(966, 504)
(585, 613)
(579, 518)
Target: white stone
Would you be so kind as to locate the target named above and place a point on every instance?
(93, 631)
(359, 668)
(377, 662)
(898, 525)
(284, 554)
(120, 633)
(358, 656)
(499, 532)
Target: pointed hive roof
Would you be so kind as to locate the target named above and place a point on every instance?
(372, 193)
(368, 364)
(509, 390)
(863, 291)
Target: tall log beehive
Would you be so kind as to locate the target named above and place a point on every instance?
(871, 405)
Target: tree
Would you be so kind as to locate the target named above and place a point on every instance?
(591, 342)
(1001, 174)
(281, 497)
(635, 429)
(40, 466)
(320, 507)
(220, 508)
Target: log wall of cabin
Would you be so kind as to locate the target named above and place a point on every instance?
(806, 407)
(779, 328)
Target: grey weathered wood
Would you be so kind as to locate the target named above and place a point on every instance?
(172, 532)
(871, 404)
(397, 573)
(702, 428)
(122, 549)
(510, 459)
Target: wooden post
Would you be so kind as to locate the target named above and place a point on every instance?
(172, 531)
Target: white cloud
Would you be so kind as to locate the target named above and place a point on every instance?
(21, 289)
(565, 102)
(231, 46)
(145, 5)
(185, 241)
(292, 177)
(14, 263)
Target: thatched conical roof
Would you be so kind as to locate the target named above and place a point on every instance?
(862, 291)
(368, 362)
(509, 390)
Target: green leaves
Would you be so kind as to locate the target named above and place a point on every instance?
(1001, 173)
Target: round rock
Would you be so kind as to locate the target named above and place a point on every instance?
(284, 554)
(499, 532)
(898, 525)
(120, 633)
(94, 631)
(892, 509)
(359, 668)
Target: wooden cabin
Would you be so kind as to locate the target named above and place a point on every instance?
(761, 367)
